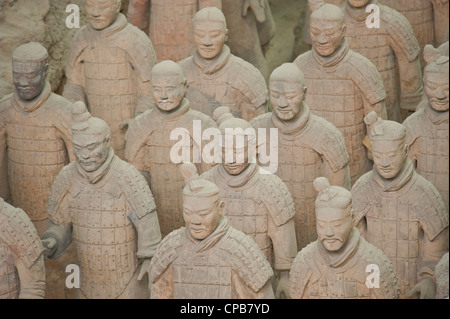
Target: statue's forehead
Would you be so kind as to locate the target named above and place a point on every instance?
(26, 66)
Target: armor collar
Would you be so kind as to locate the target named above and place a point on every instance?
(436, 117)
(96, 176)
(200, 246)
(297, 126)
(358, 14)
(174, 114)
(118, 24)
(333, 59)
(338, 259)
(30, 106)
(402, 178)
(239, 180)
(214, 65)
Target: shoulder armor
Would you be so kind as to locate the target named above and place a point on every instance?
(401, 32)
(360, 201)
(301, 272)
(138, 130)
(61, 186)
(414, 126)
(188, 67)
(165, 254)
(210, 174)
(249, 81)
(366, 77)
(18, 232)
(262, 121)
(303, 59)
(247, 259)
(430, 207)
(278, 199)
(328, 141)
(78, 45)
(136, 189)
(139, 47)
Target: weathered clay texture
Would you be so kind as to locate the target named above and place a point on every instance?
(105, 206)
(109, 67)
(208, 258)
(394, 50)
(216, 77)
(427, 130)
(399, 211)
(257, 204)
(334, 266)
(343, 86)
(22, 272)
(35, 135)
(251, 28)
(308, 147)
(169, 24)
(150, 141)
(441, 275)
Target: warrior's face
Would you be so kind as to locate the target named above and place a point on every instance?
(29, 78)
(389, 156)
(209, 37)
(90, 150)
(326, 36)
(287, 99)
(436, 89)
(168, 91)
(102, 13)
(358, 3)
(240, 156)
(334, 226)
(201, 215)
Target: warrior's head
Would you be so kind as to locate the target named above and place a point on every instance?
(389, 148)
(334, 214)
(169, 85)
(91, 138)
(202, 205)
(436, 76)
(327, 29)
(29, 70)
(102, 13)
(287, 91)
(210, 32)
(238, 141)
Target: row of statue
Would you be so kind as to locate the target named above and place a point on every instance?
(89, 177)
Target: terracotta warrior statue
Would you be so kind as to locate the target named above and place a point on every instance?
(441, 274)
(427, 130)
(308, 147)
(343, 86)
(22, 271)
(168, 24)
(109, 67)
(208, 259)
(107, 208)
(251, 26)
(399, 211)
(35, 136)
(428, 18)
(394, 50)
(151, 140)
(337, 265)
(256, 203)
(218, 78)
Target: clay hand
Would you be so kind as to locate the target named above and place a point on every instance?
(282, 291)
(257, 7)
(426, 288)
(49, 245)
(144, 268)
